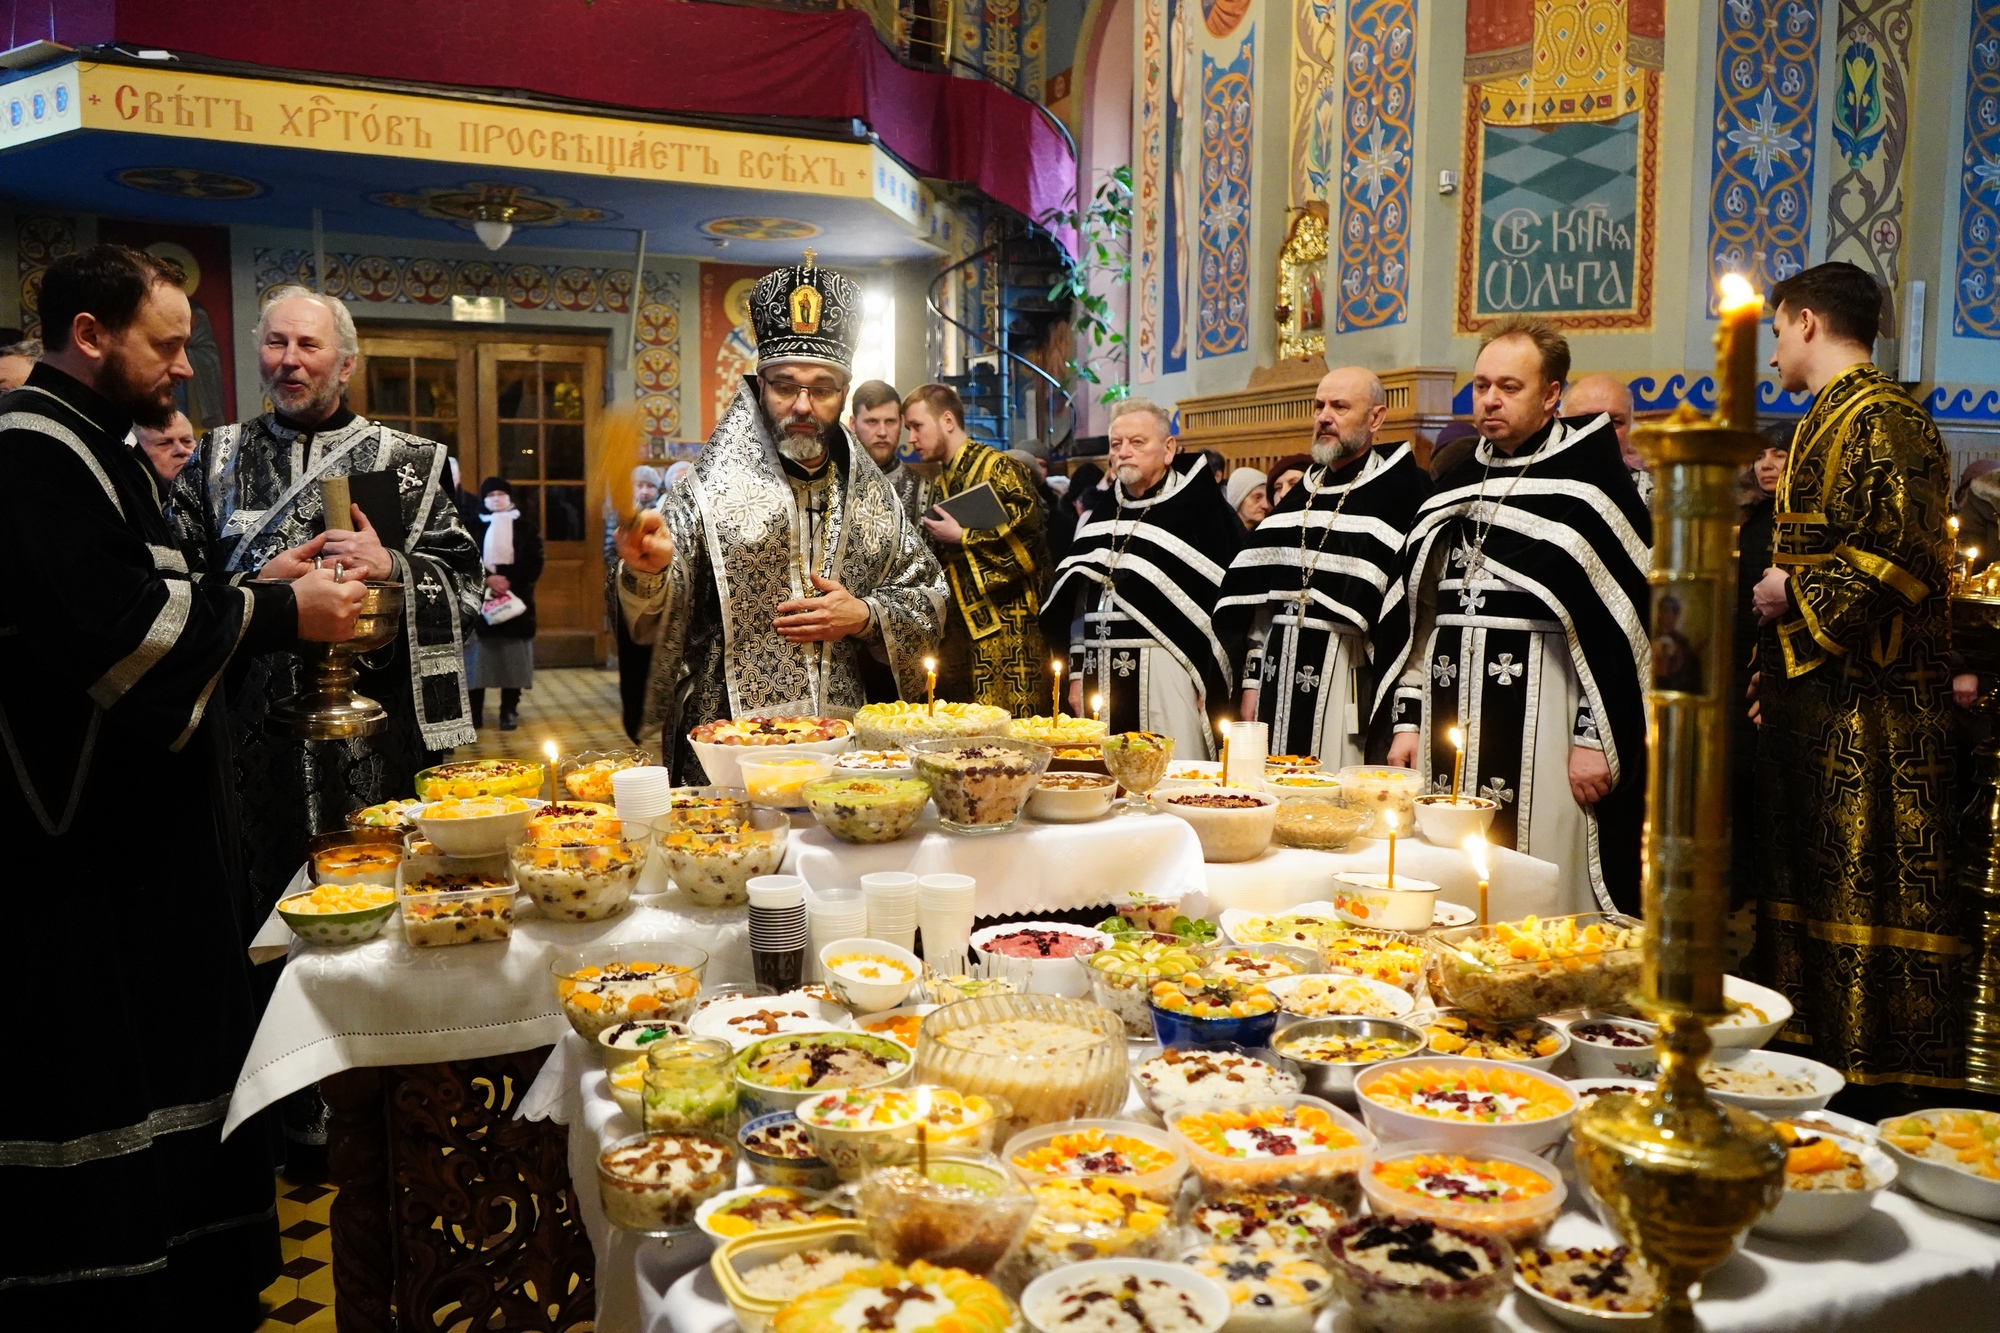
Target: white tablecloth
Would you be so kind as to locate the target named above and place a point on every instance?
(1286, 876)
(1031, 868)
(1909, 1268)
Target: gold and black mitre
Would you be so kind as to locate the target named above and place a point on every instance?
(806, 313)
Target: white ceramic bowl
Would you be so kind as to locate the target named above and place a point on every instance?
(1740, 1034)
(1826, 1082)
(863, 996)
(1395, 999)
(735, 1020)
(1039, 976)
(1591, 1087)
(1934, 1182)
(481, 835)
(1805, 1213)
(709, 1208)
(1038, 1298)
(1392, 1125)
(719, 761)
(1364, 898)
(1597, 1058)
(1576, 1316)
(1447, 824)
(1196, 773)
(1227, 834)
(1088, 797)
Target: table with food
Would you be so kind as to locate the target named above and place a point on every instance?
(797, 1082)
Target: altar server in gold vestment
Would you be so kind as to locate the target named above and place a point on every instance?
(1858, 921)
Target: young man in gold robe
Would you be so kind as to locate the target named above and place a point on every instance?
(1858, 920)
(993, 651)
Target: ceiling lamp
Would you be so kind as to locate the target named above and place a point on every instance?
(493, 223)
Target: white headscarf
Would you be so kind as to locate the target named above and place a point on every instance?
(499, 546)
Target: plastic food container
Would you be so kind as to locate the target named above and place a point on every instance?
(1064, 971)
(603, 985)
(1169, 1296)
(1387, 1305)
(1229, 1153)
(1047, 1057)
(967, 1212)
(795, 1061)
(981, 784)
(587, 776)
(455, 900)
(1090, 1216)
(735, 1260)
(1387, 956)
(1452, 1101)
(1518, 969)
(869, 976)
(778, 1152)
(1254, 963)
(1364, 898)
(778, 782)
(480, 777)
(866, 808)
(1233, 823)
(652, 1183)
(1130, 1153)
(581, 869)
(331, 914)
(1511, 1196)
(873, 764)
(1381, 790)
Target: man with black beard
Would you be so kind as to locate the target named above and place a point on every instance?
(1311, 579)
(124, 1199)
(783, 560)
(252, 502)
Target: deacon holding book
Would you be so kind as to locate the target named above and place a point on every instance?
(987, 531)
(252, 505)
(1134, 597)
(783, 558)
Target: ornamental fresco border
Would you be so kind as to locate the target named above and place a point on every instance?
(1976, 278)
(1226, 154)
(1315, 137)
(1763, 143)
(1661, 391)
(1378, 91)
(1871, 119)
(656, 356)
(426, 280)
(1148, 203)
(1638, 314)
(38, 243)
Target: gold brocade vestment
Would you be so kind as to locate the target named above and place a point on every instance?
(1858, 924)
(993, 648)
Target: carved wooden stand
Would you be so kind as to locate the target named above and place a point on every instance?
(452, 1213)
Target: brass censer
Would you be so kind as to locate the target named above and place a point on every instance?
(1680, 1176)
(326, 708)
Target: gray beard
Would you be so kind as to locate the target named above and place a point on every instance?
(801, 448)
(1327, 453)
(318, 407)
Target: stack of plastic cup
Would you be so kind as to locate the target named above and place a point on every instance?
(944, 915)
(644, 795)
(833, 914)
(892, 908)
(778, 931)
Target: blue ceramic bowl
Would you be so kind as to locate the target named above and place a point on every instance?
(802, 1173)
(1174, 1029)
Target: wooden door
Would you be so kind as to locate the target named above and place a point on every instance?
(522, 408)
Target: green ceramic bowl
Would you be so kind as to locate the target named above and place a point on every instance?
(334, 928)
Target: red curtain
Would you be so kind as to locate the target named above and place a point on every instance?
(659, 55)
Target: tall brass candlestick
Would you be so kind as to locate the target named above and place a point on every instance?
(1681, 1176)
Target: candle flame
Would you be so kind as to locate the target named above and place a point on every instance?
(1056, 666)
(1475, 850)
(930, 664)
(1971, 554)
(549, 749)
(1390, 819)
(1457, 739)
(1737, 293)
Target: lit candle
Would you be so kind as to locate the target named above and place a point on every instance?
(1475, 851)
(1741, 310)
(1389, 818)
(1097, 707)
(923, 1135)
(1055, 692)
(930, 685)
(1222, 725)
(549, 749)
(1458, 768)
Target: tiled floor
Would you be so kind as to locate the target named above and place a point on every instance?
(576, 707)
(302, 1297)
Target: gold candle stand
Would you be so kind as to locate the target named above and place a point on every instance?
(1680, 1176)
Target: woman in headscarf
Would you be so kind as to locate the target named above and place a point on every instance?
(501, 654)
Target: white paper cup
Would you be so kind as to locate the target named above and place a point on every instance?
(775, 891)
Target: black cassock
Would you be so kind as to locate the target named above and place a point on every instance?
(126, 982)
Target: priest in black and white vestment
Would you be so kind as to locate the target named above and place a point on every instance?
(1135, 597)
(251, 495)
(1521, 618)
(1311, 580)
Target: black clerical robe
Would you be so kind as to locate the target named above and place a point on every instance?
(124, 1203)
